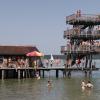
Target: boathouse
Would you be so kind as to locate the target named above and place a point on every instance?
(16, 52)
(14, 63)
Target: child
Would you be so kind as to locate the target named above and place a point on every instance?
(49, 83)
(37, 76)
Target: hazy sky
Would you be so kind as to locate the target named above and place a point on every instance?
(39, 22)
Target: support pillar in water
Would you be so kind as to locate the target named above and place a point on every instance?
(18, 74)
(69, 74)
(43, 73)
(3, 74)
(57, 73)
(23, 73)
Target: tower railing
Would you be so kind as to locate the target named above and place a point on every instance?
(81, 49)
(81, 33)
(83, 17)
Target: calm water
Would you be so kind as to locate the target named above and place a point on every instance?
(62, 88)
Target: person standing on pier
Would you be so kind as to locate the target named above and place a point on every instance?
(78, 61)
(83, 63)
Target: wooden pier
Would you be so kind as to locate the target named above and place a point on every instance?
(30, 72)
(65, 71)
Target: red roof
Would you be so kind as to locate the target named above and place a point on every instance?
(16, 50)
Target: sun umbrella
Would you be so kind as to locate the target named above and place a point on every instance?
(35, 54)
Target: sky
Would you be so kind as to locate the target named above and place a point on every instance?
(40, 23)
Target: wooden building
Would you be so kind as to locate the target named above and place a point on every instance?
(14, 63)
(16, 52)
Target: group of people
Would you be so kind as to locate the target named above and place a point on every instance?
(14, 62)
(86, 85)
(55, 62)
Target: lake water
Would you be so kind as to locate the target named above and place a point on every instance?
(62, 88)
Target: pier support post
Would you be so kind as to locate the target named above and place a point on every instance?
(18, 74)
(39, 73)
(90, 65)
(3, 74)
(90, 62)
(85, 73)
(57, 73)
(64, 72)
(43, 73)
(90, 73)
(86, 61)
(23, 73)
(69, 74)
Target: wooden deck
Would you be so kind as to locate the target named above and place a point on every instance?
(72, 69)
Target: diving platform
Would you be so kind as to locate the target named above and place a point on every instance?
(83, 34)
(82, 38)
(82, 49)
(81, 19)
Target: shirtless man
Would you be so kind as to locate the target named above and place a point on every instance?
(89, 85)
(83, 85)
